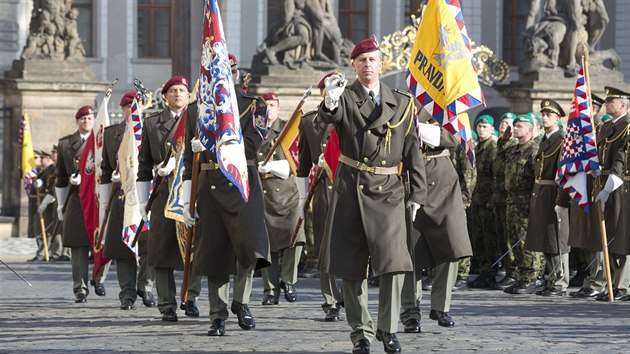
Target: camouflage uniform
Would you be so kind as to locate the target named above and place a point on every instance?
(467, 179)
(498, 204)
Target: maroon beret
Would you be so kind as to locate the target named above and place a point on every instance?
(365, 46)
(175, 80)
(322, 84)
(270, 96)
(233, 61)
(127, 98)
(84, 111)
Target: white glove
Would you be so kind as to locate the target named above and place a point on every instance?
(115, 177)
(595, 173)
(165, 170)
(613, 182)
(39, 183)
(321, 162)
(60, 212)
(48, 199)
(196, 145)
(143, 188)
(62, 194)
(104, 190)
(75, 180)
(189, 220)
(562, 213)
(429, 134)
(335, 85)
(302, 187)
(413, 208)
(278, 168)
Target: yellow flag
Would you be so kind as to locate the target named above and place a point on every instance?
(28, 156)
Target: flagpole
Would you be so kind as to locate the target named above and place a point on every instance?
(597, 186)
(190, 231)
(42, 225)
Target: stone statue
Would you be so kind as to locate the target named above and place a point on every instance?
(309, 35)
(53, 32)
(553, 40)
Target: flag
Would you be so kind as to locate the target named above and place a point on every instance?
(441, 74)
(28, 171)
(288, 140)
(128, 168)
(219, 124)
(331, 154)
(174, 208)
(579, 152)
(100, 123)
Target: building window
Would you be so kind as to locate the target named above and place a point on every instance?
(84, 24)
(354, 19)
(154, 28)
(412, 7)
(514, 15)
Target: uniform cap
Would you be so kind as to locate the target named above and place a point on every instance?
(508, 115)
(175, 80)
(549, 105)
(598, 101)
(365, 46)
(612, 93)
(270, 96)
(54, 149)
(84, 111)
(486, 118)
(44, 153)
(127, 98)
(37, 153)
(525, 118)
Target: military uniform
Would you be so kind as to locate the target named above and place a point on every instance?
(231, 236)
(467, 180)
(367, 209)
(281, 215)
(47, 176)
(544, 232)
(313, 137)
(126, 266)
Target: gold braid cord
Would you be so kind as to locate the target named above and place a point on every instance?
(612, 140)
(408, 113)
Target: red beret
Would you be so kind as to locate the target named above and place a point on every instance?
(127, 98)
(365, 46)
(270, 96)
(84, 111)
(233, 61)
(175, 80)
(321, 85)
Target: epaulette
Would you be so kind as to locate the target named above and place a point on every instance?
(192, 102)
(406, 93)
(66, 137)
(309, 113)
(153, 114)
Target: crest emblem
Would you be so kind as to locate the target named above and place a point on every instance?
(89, 163)
(450, 49)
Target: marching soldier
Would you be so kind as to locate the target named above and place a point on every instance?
(499, 195)
(519, 182)
(162, 248)
(548, 223)
(484, 232)
(376, 133)
(230, 235)
(282, 211)
(610, 146)
(314, 135)
(46, 206)
(126, 266)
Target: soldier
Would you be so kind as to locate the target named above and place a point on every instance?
(33, 217)
(376, 133)
(126, 266)
(282, 211)
(231, 236)
(74, 232)
(548, 222)
(162, 248)
(56, 249)
(519, 181)
(441, 223)
(585, 236)
(46, 208)
(499, 195)
(314, 135)
(610, 146)
(484, 232)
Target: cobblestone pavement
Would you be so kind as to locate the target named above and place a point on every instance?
(44, 318)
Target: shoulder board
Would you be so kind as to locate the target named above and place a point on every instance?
(192, 102)
(110, 127)
(405, 93)
(310, 113)
(153, 114)
(66, 137)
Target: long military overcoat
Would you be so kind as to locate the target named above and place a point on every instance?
(367, 211)
(620, 245)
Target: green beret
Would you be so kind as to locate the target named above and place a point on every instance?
(525, 118)
(508, 115)
(536, 117)
(486, 118)
(496, 133)
(560, 124)
(606, 117)
(475, 136)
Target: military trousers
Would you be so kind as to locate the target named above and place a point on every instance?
(558, 270)
(355, 293)
(80, 271)
(219, 291)
(330, 291)
(502, 242)
(283, 268)
(133, 277)
(526, 265)
(596, 278)
(620, 268)
(484, 235)
(309, 247)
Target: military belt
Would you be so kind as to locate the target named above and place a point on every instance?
(444, 153)
(626, 178)
(267, 176)
(545, 182)
(357, 165)
(209, 166)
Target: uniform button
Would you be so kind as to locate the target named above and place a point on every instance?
(324, 145)
(213, 187)
(533, 194)
(380, 188)
(260, 154)
(432, 183)
(428, 159)
(369, 132)
(329, 187)
(230, 184)
(277, 189)
(365, 159)
(264, 191)
(360, 186)
(383, 163)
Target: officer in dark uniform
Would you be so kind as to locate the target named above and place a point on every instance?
(230, 235)
(46, 206)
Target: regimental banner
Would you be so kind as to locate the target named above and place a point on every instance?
(27, 168)
(441, 74)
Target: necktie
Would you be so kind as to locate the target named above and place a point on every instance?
(82, 140)
(372, 98)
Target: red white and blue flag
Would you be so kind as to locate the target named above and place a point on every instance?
(219, 125)
(579, 153)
